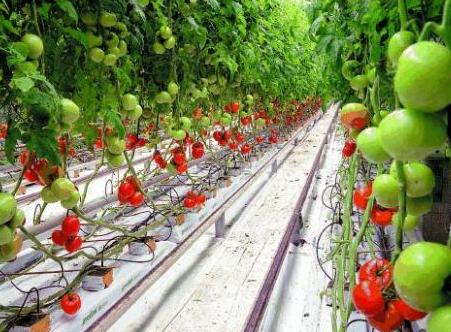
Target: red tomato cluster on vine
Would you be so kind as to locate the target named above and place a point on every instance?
(67, 236)
(374, 297)
(179, 160)
(129, 192)
(132, 142)
(194, 199)
(159, 160)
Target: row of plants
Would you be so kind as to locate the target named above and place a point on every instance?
(179, 80)
(394, 58)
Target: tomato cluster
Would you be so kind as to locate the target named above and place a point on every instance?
(194, 200)
(133, 142)
(129, 192)
(374, 297)
(178, 160)
(68, 236)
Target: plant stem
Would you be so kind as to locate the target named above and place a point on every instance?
(402, 10)
(401, 215)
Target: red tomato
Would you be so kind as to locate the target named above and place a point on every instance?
(235, 107)
(388, 320)
(72, 152)
(367, 298)
(141, 142)
(70, 226)
(23, 157)
(362, 195)
(233, 145)
(182, 168)
(246, 121)
(3, 130)
(260, 139)
(137, 199)
(217, 135)
(179, 158)
(381, 216)
(200, 199)
(70, 303)
(31, 175)
(189, 202)
(197, 150)
(226, 135)
(222, 142)
(359, 123)
(407, 312)
(239, 137)
(246, 149)
(98, 143)
(188, 140)
(126, 190)
(378, 270)
(58, 237)
(73, 244)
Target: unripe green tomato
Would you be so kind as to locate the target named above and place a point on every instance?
(47, 196)
(260, 122)
(93, 40)
(17, 220)
(359, 82)
(205, 121)
(96, 54)
(398, 43)
(71, 112)
(249, 100)
(225, 120)
(420, 179)
(89, 19)
(116, 51)
(165, 32)
(112, 41)
(158, 48)
(170, 43)
(371, 74)
(107, 20)
(186, 123)
(136, 113)
(386, 190)
(173, 88)
(71, 201)
(34, 45)
(62, 188)
(369, 145)
(423, 77)
(178, 134)
(163, 97)
(440, 319)
(8, 207)
(129, 101)
(10, 250)
(419, 206)
(143, 3)
(115, 144)
(6, 235)
(122, 48)
(110, 59)
(384, 113)
(115, 160)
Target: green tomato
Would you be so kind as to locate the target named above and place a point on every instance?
(371, 74)
(129, 101)
(423, 78)
(62, 188)
(420, 274)
(420, 179)
(205, 121)
(143, 3)
(260, 122)
(369, 145)
(163, 97)
(112, 41)
(47, 196)
(398, 43)
(410, 222)
(108, 20)
(186, 123)
(173, 88)
(249, 100)
(386, 190)
(90, 19)
(178, 134)
(93, 40)
(110, 60)
(115, 144)
(8, 207)
(71, 201)
(121, 27)
(6, 235)
(34, 45)
(165, 32)
(17, 220)
(348, 69)
(440, 319)
(170, 43)
(96, 54)
(71, 112)
(158, 48)
(384, 113)
(359, 82)
(10, 250)
(225, 120)
(409, 135)
(122, 48)
(115, 160)
(136, 113)
(419, 206)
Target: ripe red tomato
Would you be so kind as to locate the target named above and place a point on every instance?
(200, 199)
(141, 142)
(222, 142)
(217, 135)
(189, 202)
(70, 303)
(197, 150)
(367, 298)
(407, 312)
(388, 320)
(235, 107)
(58, 237)
(23, 157)
(226, 135)
(381, 216)
(73, 244)
(126, 190)
(179, 157)
(260, 139)
(246, 149)
(137, 199)
(3, 130)
(72, 152)
(31, 175)
(182, 168)
(362, 195)
(239, 137)
(98, 143)
(233, 145)
(70, 226)
(246, 121)
(378, 270)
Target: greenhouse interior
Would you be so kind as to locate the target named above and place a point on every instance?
(225, 166)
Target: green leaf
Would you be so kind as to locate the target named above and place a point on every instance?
(68, 7)
(23, 83)
(11, 142)
(78, 36)
(44, 144)
(114, 119)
